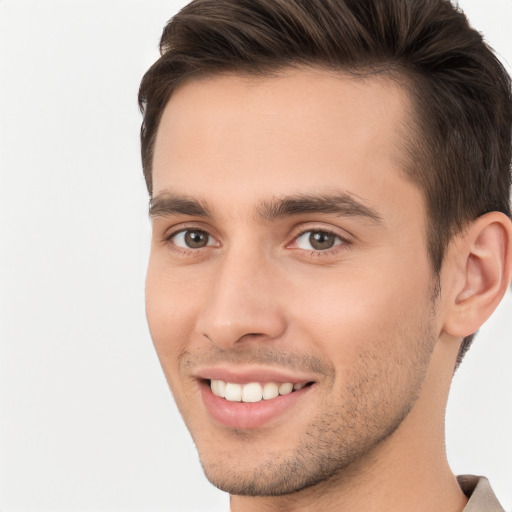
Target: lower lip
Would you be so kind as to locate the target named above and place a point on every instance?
(242, 415)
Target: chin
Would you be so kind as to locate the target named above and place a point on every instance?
(287, 477)
(322, 457)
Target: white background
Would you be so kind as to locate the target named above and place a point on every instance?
(86, 420)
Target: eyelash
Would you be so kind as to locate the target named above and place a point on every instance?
(340, 241)
(168, 240)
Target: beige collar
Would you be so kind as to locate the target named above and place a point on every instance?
(481, 496)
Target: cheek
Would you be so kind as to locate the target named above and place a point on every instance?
(379, 344)
(169, 311)
(361, 311)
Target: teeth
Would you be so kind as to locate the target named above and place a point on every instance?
(233, 392)
(270, 390)
(218, 388)
(252, 392)
(285, 388)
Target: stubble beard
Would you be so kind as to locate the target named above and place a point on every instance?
(324, 456)
(335, 444)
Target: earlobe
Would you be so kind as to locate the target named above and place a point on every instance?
(482, 257)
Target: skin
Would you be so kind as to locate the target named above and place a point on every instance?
(359, 319)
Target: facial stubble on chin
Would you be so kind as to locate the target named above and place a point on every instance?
(339, 438)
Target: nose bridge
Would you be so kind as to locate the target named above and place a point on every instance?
(241, 300)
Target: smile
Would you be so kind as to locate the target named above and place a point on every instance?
(253, 392)
(250, 399)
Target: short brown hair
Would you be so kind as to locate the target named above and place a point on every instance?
(460, 150)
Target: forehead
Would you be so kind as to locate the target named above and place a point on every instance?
(302, 130)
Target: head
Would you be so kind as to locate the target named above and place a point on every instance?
(458, 149)
(444, 128)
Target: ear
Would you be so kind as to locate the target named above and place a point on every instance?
(477, 273)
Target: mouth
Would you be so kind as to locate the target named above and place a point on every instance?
(254, 392)
(251, 400)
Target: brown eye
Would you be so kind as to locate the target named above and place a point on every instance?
(192, 239)
(321, 241)
(318, 240)
(196, 239)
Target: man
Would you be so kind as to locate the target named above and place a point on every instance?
(330, 200)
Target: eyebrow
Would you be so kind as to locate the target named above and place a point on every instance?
(172, 204)
(342, 204)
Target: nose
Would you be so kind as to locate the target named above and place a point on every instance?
(242, 303)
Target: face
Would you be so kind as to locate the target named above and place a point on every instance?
(289, 288)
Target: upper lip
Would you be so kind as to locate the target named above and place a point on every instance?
(244, 375)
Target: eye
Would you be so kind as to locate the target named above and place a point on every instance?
(192, 239)
(317, 240)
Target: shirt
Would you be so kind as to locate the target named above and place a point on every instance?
(481, 497)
